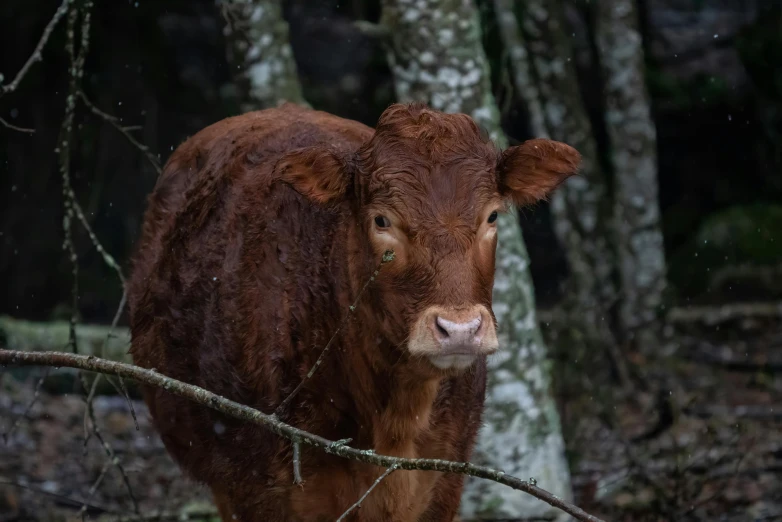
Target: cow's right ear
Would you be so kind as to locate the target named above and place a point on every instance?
(320, 173)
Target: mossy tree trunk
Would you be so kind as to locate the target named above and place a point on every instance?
(260, 54)
(436, 57)
(638, 234)
(545, 76)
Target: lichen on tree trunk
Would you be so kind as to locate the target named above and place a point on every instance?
(521, 68)
(581, 208)
(260, 54)
(638, 234)
(436, 57)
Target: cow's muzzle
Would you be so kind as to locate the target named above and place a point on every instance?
(453, 337)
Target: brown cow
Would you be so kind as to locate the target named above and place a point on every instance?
(258, 237)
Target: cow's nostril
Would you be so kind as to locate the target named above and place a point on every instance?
(440, 329)
(457, 332)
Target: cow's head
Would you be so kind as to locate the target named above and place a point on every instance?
(429, 186)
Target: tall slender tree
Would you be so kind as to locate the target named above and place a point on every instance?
(260, 54)
(436, 57)
(582, 209)
(638, 233)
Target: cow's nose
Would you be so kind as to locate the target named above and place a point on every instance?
(458, 335)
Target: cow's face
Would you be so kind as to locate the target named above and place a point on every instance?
(430, 187)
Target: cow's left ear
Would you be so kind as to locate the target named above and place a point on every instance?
(320, 173)
(529, 172)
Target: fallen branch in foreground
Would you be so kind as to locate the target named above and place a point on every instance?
(709, 315)
(272, 423)
(712, 315)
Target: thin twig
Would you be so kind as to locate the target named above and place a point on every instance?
(36, 56)
(75, 74)
(64, 500)
(64, 156)
(113, 459)
(107, 258)
(121, 388)
(72, 209)
(7, 435)
(206, 513)
(388, 256)
(93, 489)
(124, 391)
(297, 463)
(16, 128)
(124, 130)
(272, 423)
(366, 494)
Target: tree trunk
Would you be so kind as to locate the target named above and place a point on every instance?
(260, 54)
(436, 57)
(581, 208)
(521, 68)
(638, 234)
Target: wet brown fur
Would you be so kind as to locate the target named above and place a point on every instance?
(258, 237)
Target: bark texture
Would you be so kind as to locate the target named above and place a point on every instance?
(436, 56)
(260, 54)
(521, 68)
(581, 208)
(638, 234)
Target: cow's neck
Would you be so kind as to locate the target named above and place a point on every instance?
(405, 416)
(394, 401)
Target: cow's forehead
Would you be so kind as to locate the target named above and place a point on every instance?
(425, 191)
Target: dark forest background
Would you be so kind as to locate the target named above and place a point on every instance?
(714, 73)
(686, 428)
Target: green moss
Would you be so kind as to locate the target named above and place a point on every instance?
(701, 89)
(747, 232)
(740, 235)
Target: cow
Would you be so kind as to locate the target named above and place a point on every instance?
(258, 239)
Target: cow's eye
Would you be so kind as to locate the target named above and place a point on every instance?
(493, 217)
(382, 222)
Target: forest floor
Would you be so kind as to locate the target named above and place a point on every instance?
(695, 436)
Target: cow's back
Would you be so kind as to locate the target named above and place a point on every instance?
(226, 258)
(222, 152)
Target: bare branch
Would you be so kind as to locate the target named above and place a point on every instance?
(93, 489)
(366, 494)
(206, 513)
(63, 150)
(272, 423)
(121, 387)
(7, 435)
(113, 459)
(107, 258)
(36, 56)
(72, 209)
(14, 127)
(388, 256)
(65, 500)
(124, 130)
(297, 463)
